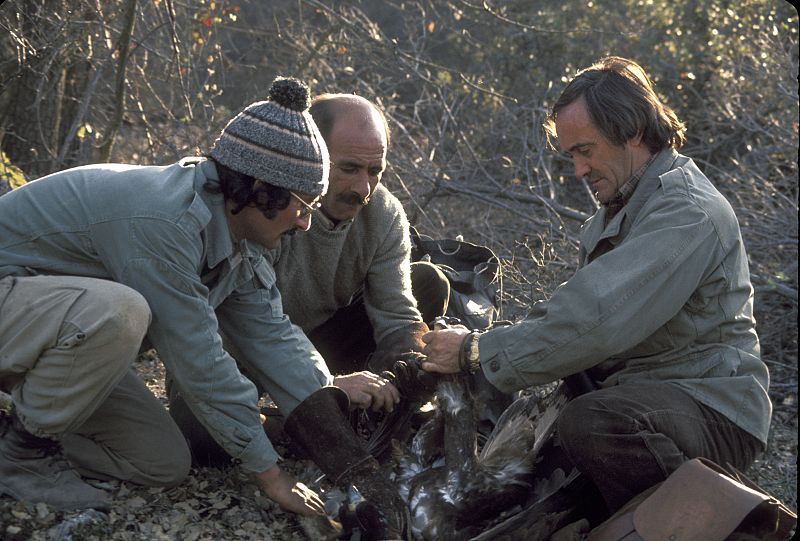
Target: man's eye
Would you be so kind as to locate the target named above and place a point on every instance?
(348, 169)
(375, 172)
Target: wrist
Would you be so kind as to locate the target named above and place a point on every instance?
(469, 353)
(268, 476)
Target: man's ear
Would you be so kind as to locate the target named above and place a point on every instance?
(636, 140)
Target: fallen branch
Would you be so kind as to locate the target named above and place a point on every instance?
(762, 285)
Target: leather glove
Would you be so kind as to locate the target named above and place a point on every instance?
(410, 379)
(398, 357)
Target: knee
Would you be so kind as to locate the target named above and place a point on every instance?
(580, 422)
(119, 317)
(128, 315)
(172, 466)
(177, 470)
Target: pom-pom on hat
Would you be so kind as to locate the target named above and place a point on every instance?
(276, 141)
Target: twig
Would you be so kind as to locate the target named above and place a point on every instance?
(766, 285)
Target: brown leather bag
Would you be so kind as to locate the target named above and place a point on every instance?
(700, 501)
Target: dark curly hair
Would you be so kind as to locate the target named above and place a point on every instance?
(244, 191)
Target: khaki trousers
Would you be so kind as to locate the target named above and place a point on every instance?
(66, 348)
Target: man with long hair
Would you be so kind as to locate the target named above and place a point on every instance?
(657, 322)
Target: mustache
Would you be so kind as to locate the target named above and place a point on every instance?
(352, 198)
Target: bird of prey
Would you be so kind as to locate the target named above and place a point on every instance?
(454, 491)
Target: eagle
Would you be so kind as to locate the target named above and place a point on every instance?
(456, 491)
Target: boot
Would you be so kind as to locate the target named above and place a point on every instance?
(319, 424)
(206, 452)
(398, 358)
(35, 469)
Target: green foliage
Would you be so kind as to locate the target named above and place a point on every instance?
(11, 177)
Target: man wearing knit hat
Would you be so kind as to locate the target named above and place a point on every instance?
(95, 258)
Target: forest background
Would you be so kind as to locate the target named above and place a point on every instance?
(465, 85)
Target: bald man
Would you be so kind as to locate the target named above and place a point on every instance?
(347, 282)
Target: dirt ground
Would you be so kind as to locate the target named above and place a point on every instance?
(225, 505)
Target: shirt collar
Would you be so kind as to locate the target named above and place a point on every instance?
(328, 224)
(615, 204)
(218, 237)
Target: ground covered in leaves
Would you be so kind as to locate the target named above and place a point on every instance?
(214, 504)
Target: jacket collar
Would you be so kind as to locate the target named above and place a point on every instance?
(219, 244)
(594, 230)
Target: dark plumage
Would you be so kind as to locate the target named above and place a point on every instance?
(511, 490)
(452, 490)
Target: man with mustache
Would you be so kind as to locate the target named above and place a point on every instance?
(657, 323)
(358, 288)
(347, 281)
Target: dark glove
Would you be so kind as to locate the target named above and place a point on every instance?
(411, 380)
(398, 357)
(392, 347)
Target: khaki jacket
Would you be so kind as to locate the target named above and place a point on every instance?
(661, 293)
(156, 230)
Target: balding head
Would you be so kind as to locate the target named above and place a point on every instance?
(327, 108)
(357, 136)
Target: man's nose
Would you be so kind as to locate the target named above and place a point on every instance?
(362, 185)
(582, 168)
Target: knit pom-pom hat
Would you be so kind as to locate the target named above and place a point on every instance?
(277, 141)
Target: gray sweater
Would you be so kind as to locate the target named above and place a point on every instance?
(321, 270)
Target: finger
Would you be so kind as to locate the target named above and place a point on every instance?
(428, 366)
(388, 399)
(428, 336)
(394, 393)
(364, 400)
(379, 401)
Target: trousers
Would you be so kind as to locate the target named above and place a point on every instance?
(629, 437)
(67, 344)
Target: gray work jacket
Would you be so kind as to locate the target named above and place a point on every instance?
(661, 293)
(156, 230)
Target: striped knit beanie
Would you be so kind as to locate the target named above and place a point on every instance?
(276, 141)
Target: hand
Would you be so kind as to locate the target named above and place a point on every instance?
(411, 380)
(442, 348)
(366, 389)
(290, 494)
(396, 345)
